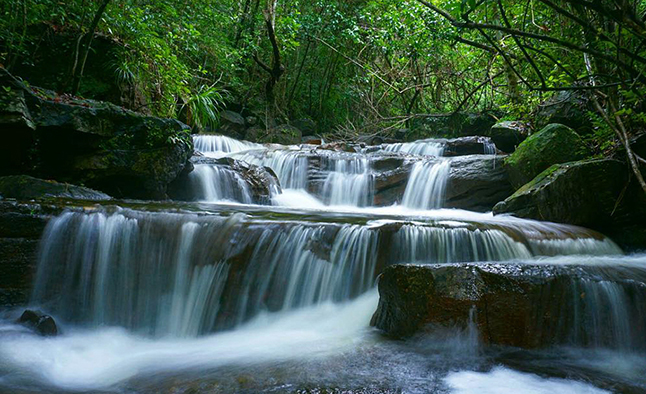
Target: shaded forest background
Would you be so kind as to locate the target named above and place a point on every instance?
(349, 67)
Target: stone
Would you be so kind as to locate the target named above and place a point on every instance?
(232, 124)
(283, 134)
(43, 324)
(24, 187)
(477, 183)
(568, 107)
(554, 144)
(507, 135)
(306, 125)
(462, 146)
(592, 193)
(510, 304)
(97, 144)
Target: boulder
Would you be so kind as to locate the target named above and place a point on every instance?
(450, 125)
(24, 187)
(474, 145)
(568, 107)
(283, 134)
(591, 193)
(512, 304)
(43, 324)
(477, 183)
(262, 182)
(554, 144)
(100, 145)
(507, 135)
(232, 124)
(306, 125)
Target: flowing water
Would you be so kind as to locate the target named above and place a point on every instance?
(224, 296)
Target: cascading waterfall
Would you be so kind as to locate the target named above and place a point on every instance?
(219, 145)
(215, 183)
(423, 147)
(349, 182)
(290, 166)
(426, 184)
(215, 285)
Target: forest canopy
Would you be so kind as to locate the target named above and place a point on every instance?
(354, 66)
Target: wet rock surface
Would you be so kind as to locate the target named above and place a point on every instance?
(21, 226)
(38, 321)
(477, 183)
(522, 305)
(98, 144)
(24, 187)
(591, 193)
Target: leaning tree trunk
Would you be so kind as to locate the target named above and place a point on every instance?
(77, 72)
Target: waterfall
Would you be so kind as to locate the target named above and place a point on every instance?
(426, 184)
(423, 147)
(219, 145)
(290, 166)
(348, 182)
(216, 183)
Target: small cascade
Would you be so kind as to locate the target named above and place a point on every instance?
(417, 244)
(216, 183)
(219, 145)
(290, 166)
(489, 146)
(349, 182)
(426, 185)
(422, 147)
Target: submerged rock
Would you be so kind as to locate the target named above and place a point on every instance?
(24, 187)
(519, 305)
(98, 144)
(554, 144)
(43, 324)
(507, 135)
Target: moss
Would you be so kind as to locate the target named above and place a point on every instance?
(554, 144)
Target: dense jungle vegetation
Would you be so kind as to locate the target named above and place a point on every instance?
(353, 67)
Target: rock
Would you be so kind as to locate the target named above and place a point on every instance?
(100, 145)
(43, 324)
(262, 182)
(21, 226)
(568, 107)
(232, 124)
(508, 135)
(451, 125)
(591, 193)
(468, 146)
(284, 135)
(24, 187)
(306, 125)
(477, 183)
(554, 144)
(510, 304)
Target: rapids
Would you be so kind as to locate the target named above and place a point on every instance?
(224, 296)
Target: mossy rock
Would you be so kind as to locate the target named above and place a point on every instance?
(507, 135)
(98, 144)
(554, 144)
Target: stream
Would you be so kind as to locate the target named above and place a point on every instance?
(223, 294)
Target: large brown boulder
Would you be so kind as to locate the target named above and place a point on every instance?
(511, 304)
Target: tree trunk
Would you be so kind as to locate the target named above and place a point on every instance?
(77, 75)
